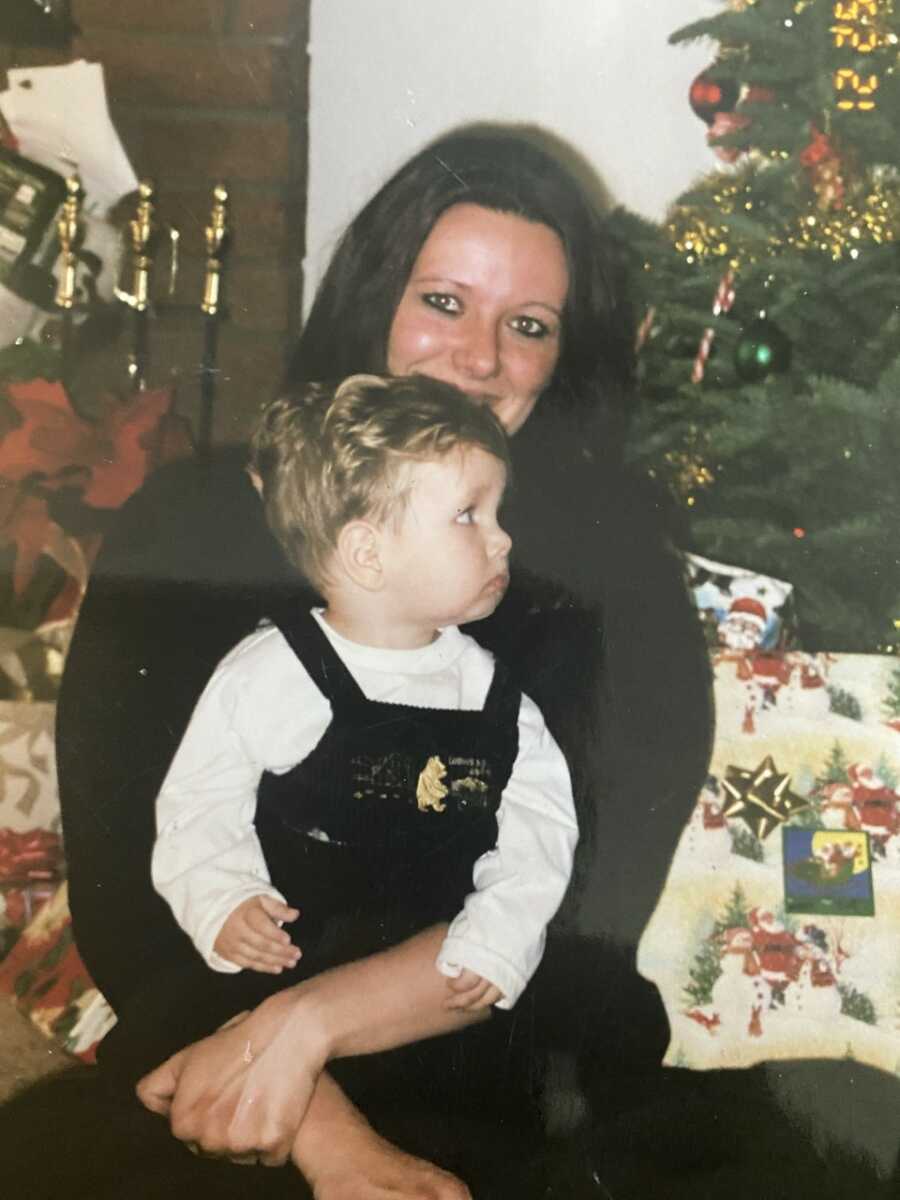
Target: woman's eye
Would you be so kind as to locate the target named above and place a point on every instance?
(530, 327)
(465, 516)
(443, 302)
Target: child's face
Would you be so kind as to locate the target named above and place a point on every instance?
(446, 560)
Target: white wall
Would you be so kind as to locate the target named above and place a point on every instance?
(389, 75)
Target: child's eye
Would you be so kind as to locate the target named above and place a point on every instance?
(530, 327)
(465, 516)
(443, 302)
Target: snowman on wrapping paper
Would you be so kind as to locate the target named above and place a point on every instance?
(814, 995)
(741, 994)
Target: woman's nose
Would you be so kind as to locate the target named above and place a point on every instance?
(477, 355)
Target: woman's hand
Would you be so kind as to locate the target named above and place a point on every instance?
(244, 1090)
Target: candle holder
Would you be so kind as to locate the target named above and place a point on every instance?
(217, 238)
(145, 235)
(70, 231)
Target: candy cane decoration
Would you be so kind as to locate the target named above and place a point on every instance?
(722, 303)
(645, 329)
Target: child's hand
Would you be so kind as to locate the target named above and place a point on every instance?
(471, 992)
(252, 936)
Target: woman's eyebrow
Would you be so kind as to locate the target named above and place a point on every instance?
(467, 287)
(446, 279)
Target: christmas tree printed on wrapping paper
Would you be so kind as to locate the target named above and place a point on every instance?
(771, 301)
(892, 701)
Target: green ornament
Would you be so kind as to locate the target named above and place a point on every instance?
(763, 350)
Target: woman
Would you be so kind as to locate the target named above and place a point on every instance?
(482, 264)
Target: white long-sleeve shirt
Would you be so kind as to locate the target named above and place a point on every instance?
(262, 712)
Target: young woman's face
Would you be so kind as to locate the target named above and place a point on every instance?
(482, 309)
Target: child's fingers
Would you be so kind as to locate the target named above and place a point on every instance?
(260, 928)
(269, 950)
(490, 998)
(472, 992)
(464, 981)
(247, 954)
(278, 911)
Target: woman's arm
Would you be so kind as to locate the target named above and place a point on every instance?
(247, 1088)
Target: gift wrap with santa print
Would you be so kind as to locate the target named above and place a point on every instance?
(775, 936)
(740, 608)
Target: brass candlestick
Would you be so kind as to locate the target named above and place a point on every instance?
(217, 237)
(216, 245)
(144, 238)
(70, 232)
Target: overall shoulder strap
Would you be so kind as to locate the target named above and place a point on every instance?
(504, 699)
(328, 672)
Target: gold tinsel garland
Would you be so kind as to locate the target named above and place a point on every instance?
(704, 232)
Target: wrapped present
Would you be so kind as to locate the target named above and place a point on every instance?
(50, 984)
(775, 936)
(740, 609)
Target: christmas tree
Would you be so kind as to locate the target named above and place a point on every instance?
(769, 352)
(707, 965)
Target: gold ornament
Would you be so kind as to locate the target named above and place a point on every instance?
(873, 220)
(761, 798)
(688, 471)
(847, 216)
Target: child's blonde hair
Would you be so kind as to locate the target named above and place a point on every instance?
(326, 455)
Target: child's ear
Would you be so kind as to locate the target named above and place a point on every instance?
(359, 552)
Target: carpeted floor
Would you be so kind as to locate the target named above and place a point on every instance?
(25, 1054)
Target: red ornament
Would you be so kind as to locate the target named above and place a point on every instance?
(709, 96)
(819, 149)
(824, 169)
